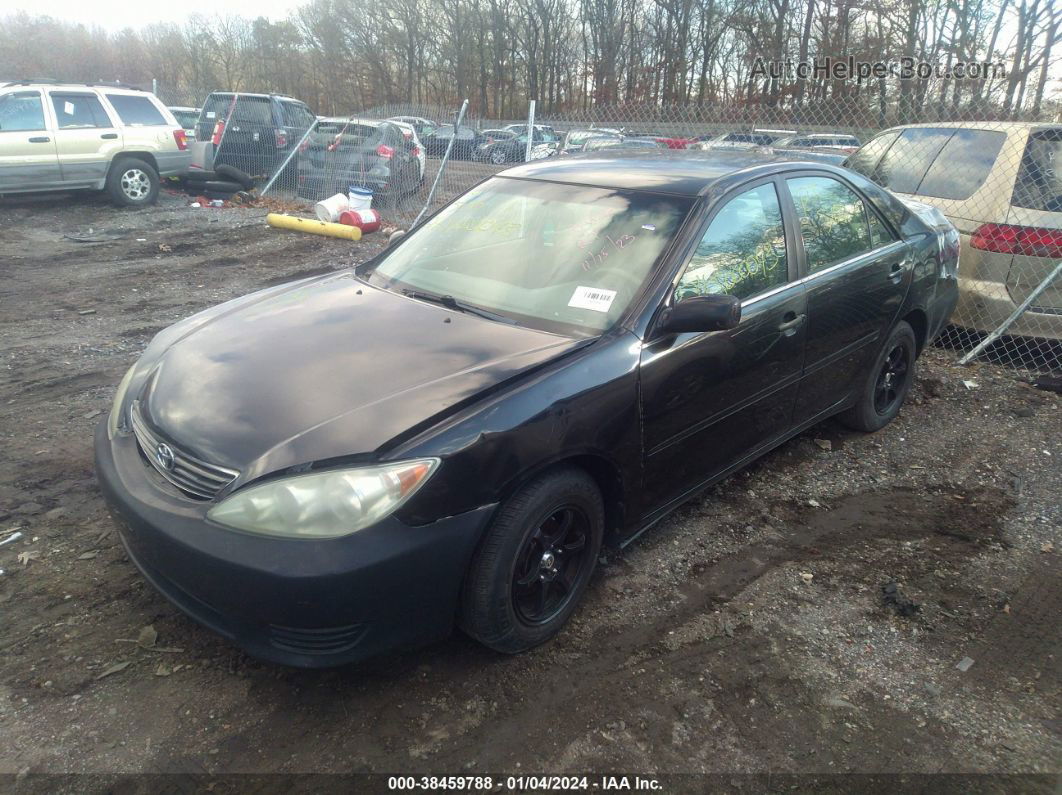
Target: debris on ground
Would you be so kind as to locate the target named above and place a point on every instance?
(893, 597)
(116, 668)
(964, 664)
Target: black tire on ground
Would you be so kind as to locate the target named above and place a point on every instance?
(534, 563)
(234, 174)
(132, 182)
(887, 383)
(222, 186)
(197, 176)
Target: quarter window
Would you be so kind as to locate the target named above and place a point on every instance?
(75, 111)
(833, 221)
(136, 111)
(866, 159)
(743, 251)
(21, 111)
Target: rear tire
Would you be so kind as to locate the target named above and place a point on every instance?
(887, 383)
(534, 563)
(233, 174)
(132, 182)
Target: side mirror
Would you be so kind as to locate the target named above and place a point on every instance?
(701, 313)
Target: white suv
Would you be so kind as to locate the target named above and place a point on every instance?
(63, 136)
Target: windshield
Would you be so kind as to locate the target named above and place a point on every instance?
(563, 258)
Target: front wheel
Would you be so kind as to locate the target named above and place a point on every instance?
(132, 183)
(535, 562)
(497, 157)
(887, 384)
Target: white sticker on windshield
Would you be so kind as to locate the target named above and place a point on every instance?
(592, 298)
(68, 108)
(211, 114)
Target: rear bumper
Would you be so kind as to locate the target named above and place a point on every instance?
(173, 164)
(295, 602)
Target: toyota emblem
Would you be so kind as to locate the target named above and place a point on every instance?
(164, 455)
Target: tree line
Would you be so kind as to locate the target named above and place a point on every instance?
(570, 55)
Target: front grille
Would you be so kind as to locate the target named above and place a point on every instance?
(191, 475)
(329, 640)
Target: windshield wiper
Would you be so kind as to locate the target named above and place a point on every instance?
(458, 305)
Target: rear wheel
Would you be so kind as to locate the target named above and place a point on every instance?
(132, 182)
(533, 566)
(887, 384)
(497, 157)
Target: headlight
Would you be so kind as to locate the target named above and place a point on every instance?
(324, 504)
(114, 419)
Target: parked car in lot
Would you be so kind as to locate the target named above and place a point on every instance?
(1000, 184)
(573, 140)
(597, 142)
(465, 145)
(742, 140)
(253, 132)
(820, 141)
(833, 156)
(558, 358)
(422, 126)
(385, 156)
(188, 118)
(513, 147)
(65, 136)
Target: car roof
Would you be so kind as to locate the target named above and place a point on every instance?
(114, 88)
(356, 120)
(281, 97)
(684, 172)
(1001, 126)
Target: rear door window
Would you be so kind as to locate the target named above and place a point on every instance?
(866, 159)
(253, 110)
(962, 165)
(1039, 183)
(79, 111)
(833, 221)
(906, 162)
(21, 111)
(136, 111)
(296, 115)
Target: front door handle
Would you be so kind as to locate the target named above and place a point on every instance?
(895, 272)
(109, 136)
(40, 139)
(791, 322)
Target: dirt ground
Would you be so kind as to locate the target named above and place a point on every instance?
(747, 633)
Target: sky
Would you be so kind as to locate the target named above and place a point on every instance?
(114, 15)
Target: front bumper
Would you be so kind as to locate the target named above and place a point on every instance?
(295, 602)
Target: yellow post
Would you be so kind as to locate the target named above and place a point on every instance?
(314, 227)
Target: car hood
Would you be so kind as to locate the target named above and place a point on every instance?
(327, 369)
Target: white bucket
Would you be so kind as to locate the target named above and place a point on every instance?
(358, 198)
(329, 209)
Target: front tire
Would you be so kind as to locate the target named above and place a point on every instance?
(498, 157)
(132, 182)
(532, 567)
(887, 384)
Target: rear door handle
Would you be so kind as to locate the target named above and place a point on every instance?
(791, 322)
(40, 139)
(895, 272)
(109, 136)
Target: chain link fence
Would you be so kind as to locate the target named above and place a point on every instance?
(996, 177)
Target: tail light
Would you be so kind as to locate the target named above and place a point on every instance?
(385, 151)
(218, 134)
(1031, 241)
(335, 142)
(415, 151)
(181, 139)
(305, 145)
(281, 137)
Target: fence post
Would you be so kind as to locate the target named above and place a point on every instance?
(442, 164)
(287, 159)
(1006, 324)
(530, 130)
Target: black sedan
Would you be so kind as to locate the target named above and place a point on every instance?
(513, 148)
(448, 433)
(465, 143)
